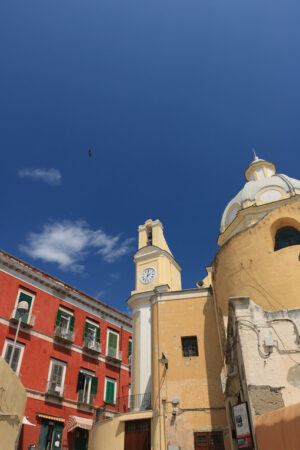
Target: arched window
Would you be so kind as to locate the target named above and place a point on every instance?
(285, 237)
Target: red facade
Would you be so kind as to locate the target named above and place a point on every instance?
(72, 355)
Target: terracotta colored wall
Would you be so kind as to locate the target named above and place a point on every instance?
(279, 430)
(38, 352)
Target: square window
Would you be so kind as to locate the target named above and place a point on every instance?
(189, 346)
(16, 359)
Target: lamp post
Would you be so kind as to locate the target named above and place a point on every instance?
(22, 308)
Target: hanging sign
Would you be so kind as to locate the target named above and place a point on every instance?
(242, 426)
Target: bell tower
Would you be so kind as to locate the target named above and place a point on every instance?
(155, 266)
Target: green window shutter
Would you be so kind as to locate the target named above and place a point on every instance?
(43, 435)
(86, 329)
(94, 385)
(98, 332)
(72, 322)
(80, 381)
(110, 392)
(112, 340)
(58, 317)
(129, 352)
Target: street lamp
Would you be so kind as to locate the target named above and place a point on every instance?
(22, 308)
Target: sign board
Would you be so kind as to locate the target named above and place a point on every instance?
(242, 426)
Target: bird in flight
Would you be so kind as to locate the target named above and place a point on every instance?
(90, 152)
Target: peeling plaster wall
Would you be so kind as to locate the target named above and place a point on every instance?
(271, 373)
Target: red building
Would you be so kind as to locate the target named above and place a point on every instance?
(72, 355)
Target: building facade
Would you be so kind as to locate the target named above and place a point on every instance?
(199, 372)
(72, 355)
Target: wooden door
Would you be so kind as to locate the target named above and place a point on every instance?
(138, 435)
(209, 441)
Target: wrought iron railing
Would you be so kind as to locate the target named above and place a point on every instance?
(55, 388)
(127, 403)
(63, 334)
(90, 344)
(114, 353)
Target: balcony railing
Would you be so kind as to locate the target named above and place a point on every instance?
(130, 360)
(25, 322)
(54, 388)
(91, 345)
(86, 400)
(114, 354)
(128, 403)
(64, 335)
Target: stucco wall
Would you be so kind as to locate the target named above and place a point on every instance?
(12, 405)
(195, 381)
(248, 266)
(107, 435)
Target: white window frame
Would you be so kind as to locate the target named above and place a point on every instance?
(109, 330)
(61, 363)
(94, 324)
(111, 380)
(90, 374)
(29, 293)
(69, 313)
(19, 345)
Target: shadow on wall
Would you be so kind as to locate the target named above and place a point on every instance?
(213, 370)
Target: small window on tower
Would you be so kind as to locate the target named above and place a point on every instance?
(189, 346)
(149, 236)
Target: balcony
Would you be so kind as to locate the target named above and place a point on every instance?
(91, 346)
(129, 361)
(113, 354)
(26, 322)
(85, 401)
(123, 405)
(54, 389)
(63, 335)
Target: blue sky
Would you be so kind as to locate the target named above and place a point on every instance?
(170, 96)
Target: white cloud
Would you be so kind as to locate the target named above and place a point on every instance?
(50, 176)
(68, 243)
(99, 295)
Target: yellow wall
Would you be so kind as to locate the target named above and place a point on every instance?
(107, 435)
(12, 405)
(248, 266)
(110, 434)
(194, 380)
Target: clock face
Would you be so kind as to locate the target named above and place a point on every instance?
(148, 275)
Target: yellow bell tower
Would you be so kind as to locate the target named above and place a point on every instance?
(155, 264)
(156, 269)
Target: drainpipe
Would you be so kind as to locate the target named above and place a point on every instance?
(120, 370)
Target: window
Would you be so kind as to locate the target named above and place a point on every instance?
(87, 385)
(23, 296)
(189, 346)
(91, 339)
(286, 237)
(110, 390)
(17, 355)
(112, 344)
(56, 378)
(64, 324)
(129, 349)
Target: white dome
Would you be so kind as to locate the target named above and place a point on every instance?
(263, 186)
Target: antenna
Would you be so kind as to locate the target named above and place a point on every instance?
(255, 155)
